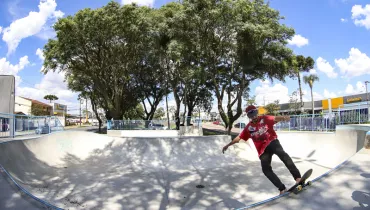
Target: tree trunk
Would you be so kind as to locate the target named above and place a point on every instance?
(190, 112)
(313, 108)
(95, 110)
(177, 99)
(300, 88)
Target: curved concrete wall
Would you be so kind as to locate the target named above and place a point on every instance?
(49, 166)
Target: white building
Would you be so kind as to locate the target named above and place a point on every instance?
(22, 105)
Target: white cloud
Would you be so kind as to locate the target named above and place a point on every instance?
(343, 20)
(30, 25)
(328, 94)
(307, 95)
(356, 64)
(51, 83)
(298, 40)
(325, 67)
(360, 88)
(40, 54)
(1, 29)
(148, 3)
(6, 68)
(313, 71)
(265, 93)
(361, 15)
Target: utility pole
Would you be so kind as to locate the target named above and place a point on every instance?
(87, 113)
(367, 101)
(80, 113)
(367, 96)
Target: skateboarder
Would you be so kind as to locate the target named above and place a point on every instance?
(261, 130)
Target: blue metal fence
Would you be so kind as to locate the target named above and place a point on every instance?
(156, 124)
(324, 122)
(12, 125)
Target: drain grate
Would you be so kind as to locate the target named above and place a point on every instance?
(200, 186)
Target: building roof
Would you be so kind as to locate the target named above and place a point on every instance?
(36, 101)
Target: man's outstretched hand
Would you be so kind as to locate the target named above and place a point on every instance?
(224, 149)
(236, 140)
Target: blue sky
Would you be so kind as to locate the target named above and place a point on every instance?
(334, 33)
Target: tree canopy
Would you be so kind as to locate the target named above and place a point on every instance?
(123, 56)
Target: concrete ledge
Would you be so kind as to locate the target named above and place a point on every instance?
(184, 131)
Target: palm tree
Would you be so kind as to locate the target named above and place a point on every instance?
(310, 80)
(300, 65)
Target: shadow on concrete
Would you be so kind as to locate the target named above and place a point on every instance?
(307, 159)
(363, 199)
(366, 175)
(143, 174)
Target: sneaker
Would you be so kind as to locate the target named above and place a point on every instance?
(298, 180)
(283, 191)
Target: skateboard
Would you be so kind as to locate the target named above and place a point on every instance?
(302, 184)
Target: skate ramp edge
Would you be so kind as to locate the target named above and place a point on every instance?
(354, 137)
(19, 156)
(25, 192)
(22, 190)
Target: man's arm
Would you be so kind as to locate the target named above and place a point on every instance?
(281, 118)
(234, 141)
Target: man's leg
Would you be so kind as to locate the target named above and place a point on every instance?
(285, 158)
(266, 158)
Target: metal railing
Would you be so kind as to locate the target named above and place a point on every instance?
(12, 125)
(162, 124)
(327, 121)
(308, 123)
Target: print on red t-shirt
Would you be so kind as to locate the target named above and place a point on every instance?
(262, 132)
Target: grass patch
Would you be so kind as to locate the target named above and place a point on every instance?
(209, 132)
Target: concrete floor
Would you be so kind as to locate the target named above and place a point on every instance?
(82, 170)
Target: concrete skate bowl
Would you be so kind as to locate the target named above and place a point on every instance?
(82, 170)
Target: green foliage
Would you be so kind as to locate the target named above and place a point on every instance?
(99, 50)
(39, 110)
(310, 79)
(136, 113)
(51, 98)
(300, 64)
(120, 56)
(294, 104)
(159, 113)
(272, 108)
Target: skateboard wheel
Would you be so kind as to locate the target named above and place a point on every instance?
(299, 188)
(309, 183)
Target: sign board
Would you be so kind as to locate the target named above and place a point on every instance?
(59, 108)
(352, 100)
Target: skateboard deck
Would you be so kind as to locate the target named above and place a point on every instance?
(302, 184)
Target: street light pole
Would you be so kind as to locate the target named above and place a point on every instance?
(367, 101)
(367, 96)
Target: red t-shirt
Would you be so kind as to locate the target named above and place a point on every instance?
(262, 133)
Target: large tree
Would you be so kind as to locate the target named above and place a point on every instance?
(102, 49)
(237, 42)
(171, 49)
(301, 64)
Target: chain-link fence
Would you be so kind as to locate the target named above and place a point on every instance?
(357, 114)
(157, 124)
(12, 125)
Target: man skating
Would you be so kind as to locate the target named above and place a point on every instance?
(261, 130)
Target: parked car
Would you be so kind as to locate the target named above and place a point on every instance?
(237, 125)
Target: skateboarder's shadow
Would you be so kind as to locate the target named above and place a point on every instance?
(305, 158)
(366, 175)
(308, 159)
(363, 199)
